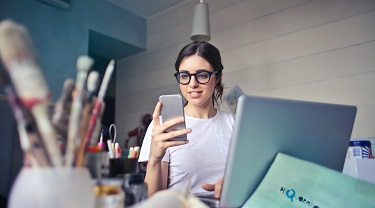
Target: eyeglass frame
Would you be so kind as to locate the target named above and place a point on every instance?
(210, 73)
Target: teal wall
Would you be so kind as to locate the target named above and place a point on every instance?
(60, 36)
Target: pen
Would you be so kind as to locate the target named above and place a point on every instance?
(130, 152)
(110, 150)
(134, 153)
(118, 150)
(101, 143)
(137, 153)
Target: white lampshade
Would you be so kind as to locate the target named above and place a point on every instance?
(201, 23)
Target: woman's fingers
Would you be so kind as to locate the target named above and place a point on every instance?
(170, 123)
(167, 138)
(214, 187)
(161, 129)
(218, 186)
(176, 143)
(208, 186)
(176, 133)
(155, 115)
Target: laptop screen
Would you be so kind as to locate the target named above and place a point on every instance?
(312, 131)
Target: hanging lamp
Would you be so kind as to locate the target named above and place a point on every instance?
(201, 23)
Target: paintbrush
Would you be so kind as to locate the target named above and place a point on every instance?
(19, 58)
(97, 110)
(93, 127)
(60, 117)
(30, 141)
(84, 63)
(92, 84)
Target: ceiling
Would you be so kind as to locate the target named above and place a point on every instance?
(147, 8)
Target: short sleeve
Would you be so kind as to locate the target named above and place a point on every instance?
(146, 144)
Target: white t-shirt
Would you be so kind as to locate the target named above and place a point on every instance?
(203, 158)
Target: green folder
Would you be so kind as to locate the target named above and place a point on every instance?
(292, 182)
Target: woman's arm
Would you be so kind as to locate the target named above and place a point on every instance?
(156, 176)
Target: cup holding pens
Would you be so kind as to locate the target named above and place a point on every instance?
(118, 167)
(52, 187)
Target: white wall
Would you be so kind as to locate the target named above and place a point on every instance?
(322, 50)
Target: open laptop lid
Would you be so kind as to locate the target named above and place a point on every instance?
(316, 132)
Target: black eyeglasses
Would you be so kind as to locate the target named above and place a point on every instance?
(202, 76)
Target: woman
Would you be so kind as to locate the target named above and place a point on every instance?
(200, 160)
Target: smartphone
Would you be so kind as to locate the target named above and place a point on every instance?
(171, 108)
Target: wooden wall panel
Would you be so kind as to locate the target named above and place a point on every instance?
(351, 90)
(301, 17)
(356, 30)
(146, 100)
(323, 66)
(300, 49)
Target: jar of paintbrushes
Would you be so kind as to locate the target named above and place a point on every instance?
(55, 147)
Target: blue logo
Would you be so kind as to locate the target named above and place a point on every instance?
(291, 194)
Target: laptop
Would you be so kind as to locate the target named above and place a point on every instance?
(312, 131)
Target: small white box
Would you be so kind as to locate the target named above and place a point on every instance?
(363, 169)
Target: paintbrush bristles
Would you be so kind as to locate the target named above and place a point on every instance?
(92, 81)
(84, 63)
(19, 58)
(15, 42)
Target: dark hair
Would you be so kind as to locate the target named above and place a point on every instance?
(211, 54)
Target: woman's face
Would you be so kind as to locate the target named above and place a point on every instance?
(195, 93)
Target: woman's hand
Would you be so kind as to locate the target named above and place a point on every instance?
(214, 187)
(160, 139)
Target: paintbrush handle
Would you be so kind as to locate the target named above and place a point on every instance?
(32, 147)
(19, 58)
(86, 112)
(96, 111)
(45, 128)
(29, 140)
(61, 112)
(84, 63)
(74, 120)
(95, 114)
(106, 79)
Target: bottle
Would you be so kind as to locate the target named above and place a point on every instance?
(109, 193)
